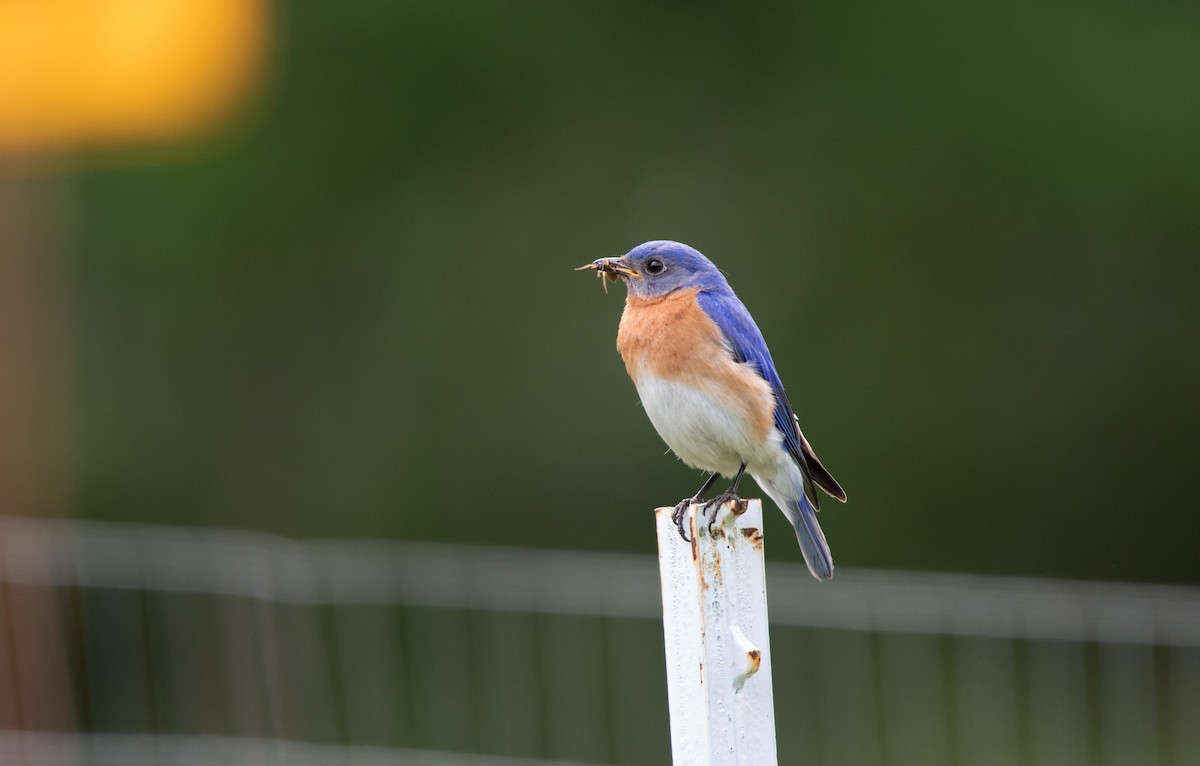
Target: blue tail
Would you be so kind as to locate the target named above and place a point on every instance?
(812, 540)
(784, 486)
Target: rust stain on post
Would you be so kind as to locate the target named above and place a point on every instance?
(754, 536)
(755, 661)
(753, 657)
(694, 529)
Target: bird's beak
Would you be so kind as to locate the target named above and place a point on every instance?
(612, 267)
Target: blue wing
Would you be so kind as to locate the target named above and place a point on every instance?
(747, 345)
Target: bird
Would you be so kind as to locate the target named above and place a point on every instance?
(709, 386)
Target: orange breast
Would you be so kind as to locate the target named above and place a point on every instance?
(671, 338)
(668, 337)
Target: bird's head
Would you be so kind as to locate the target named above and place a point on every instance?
(657, 268)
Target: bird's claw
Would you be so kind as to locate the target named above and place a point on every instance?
(715, 505)
(679, 516)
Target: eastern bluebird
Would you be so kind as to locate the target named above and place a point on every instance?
(707, 382)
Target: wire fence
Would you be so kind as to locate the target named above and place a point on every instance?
(123, 644)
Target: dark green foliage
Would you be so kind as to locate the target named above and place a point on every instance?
(969, 234)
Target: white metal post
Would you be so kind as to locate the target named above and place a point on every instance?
(715, 625)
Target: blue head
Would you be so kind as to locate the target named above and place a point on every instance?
(658, 268)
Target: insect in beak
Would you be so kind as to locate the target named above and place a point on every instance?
(608, 269)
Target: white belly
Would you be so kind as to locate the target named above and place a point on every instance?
(702, 431)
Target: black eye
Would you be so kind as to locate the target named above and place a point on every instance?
(655, 266)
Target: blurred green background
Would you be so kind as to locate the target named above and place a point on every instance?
(968, 232)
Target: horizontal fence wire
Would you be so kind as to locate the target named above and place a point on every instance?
(99, 749)
(227, 563)
(145, 644)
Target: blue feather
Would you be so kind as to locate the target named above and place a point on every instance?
(747, 345)
(812, 541)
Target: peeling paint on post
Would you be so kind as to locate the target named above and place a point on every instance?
(715, 626)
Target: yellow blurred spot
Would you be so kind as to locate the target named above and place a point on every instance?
(86, 72)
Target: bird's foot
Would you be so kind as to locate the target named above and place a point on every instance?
(679, 516)
(714, 505)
